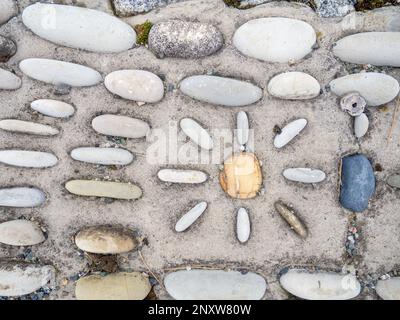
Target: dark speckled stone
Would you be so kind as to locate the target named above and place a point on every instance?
(358, 182)
(126, 8)
(7, 49)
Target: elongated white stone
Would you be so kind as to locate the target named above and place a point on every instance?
(196, 133)
(389, 289)
(361, 124)
(28, 159)
(9, 81)
(104, 156)
(21, 197)
(289, 132)
(305, 175)
(320, 285)
(376, 48)
(136, 85)
(182, 176)
(28, 127)
(120, 126)
(275, 39)
(20, 233)
(79, 28)
(294, 86)
(221, 91)
(215, 285)
(53, 108)
(376, 88)
(243, 227)
(60, 72)
(242, 124)
(190, 217)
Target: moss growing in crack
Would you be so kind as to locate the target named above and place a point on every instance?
(142, 32)
(232, 3)
(363, 5)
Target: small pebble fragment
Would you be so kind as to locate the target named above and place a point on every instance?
(196, 133)
(242, 124)
(243, 226)
(190, 217)
(21, 197)
(19, 126)
(361, 124)
(289, 132)
(182, 176)
(292, 219)
(20, 233)
(120, 126)
(7, 48)
(304, 175)
(9, 81)
(103, 156)
(53, 108)
(28, 159)
(389, 289)
(353, 104)
(394, 181)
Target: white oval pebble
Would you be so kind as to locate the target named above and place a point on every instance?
(243, 225)
(305, 175)
(294, 86)
(21, 197)
(28, 127)
(28, 159)
(104, 156)
(20, 233)
(376, 88)
(275, 39)
(9, 81)
(79, 28)
(389, 289)
(289, 132)
(60, 72)
(361, 124)
(120, 126)
(242, 123)
(182, 176)
(320, 285)
(136, 85)
(53, 108)
(196, 133)
(190, 217)
(221, 91)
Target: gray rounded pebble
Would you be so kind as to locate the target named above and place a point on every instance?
(7, 49)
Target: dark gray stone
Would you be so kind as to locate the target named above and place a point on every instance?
(126, 8)
(7, 49)
(358, 182)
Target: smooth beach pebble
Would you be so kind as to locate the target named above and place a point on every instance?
(20, 233)
(243, 227)
(215, 285)
(304, 175)
(19, 126)
(394, 181)
(105, 240)
(120, 126)
(53, 108)
(115, 286)
(103, 156)
(182, 176)
(220, 91)
(289, 132)
(28, 159)
(7, 48)
(242, 127)
(106, 189)
(9, 81)
(320, 285)
(294, 86)
(136, 85)
(388, 289)
(21, 197)
(361, 124)
(190, 217)
(275, 39)
(8, 9)
(291, 218)
(196, 133)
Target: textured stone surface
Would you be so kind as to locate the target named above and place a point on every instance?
(334, 8)
(7, 48)
(8, 9)
(125, 8)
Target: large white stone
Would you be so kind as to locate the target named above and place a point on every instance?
(242, 125)
(289, 132)
(376, 48)
(361, 124)
(376, 88)
(104, 156)
(389, 289)
(320, 285)
(196, 133)
(60, 72)
(215, 285)
(305, 175)
(182, 176)
(8, 9)
(28, 127)
(28, 159)
(21, 197)
(53, 108)
(275, 39)
(120, 126)
(9, 81)
(79, 28)
(294, 86)
(190, 217)
(243, 226)
(136, 85)
(221, 91)
(20, 233)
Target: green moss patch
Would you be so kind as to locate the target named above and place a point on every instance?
(363, 5)
(142, 32)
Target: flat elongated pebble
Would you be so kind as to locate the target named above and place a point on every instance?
(190, 217)
(292, 219)
(115, 286)
(91, 29)
(388, 289)
(196, 133)
(242, 124)
(104, 156)
(28, 159)
(182, 176)
(294, 86)
(289, 132)
(9, 81)
(21, 197)
(105, 240)
(305, 175)
(275, 39)
(7, 48)
(243, 227)
(376, 48)
(120, 126)
(198, 284)
(53, 108)
(376, 88)
(136, 85)
(361, 124)
(60, 72)
(184, 39)
(320, 285)
(221, 91)
(19, 126)
(21, 278)
(394, 181)
(8, 9)
(107, 189)
(20, 233)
